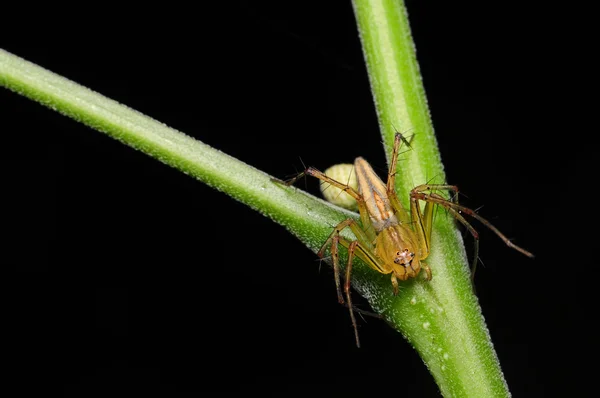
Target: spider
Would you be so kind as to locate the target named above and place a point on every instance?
(389, 239)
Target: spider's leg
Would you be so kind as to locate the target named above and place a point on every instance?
(347, 289)
(391, 182)
(423, 222)
(421, 193)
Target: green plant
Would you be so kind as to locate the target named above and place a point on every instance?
(442, 319)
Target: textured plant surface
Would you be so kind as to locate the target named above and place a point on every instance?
(441, 318)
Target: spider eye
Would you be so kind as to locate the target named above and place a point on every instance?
(403, 257)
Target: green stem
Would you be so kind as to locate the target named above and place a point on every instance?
(442, 319)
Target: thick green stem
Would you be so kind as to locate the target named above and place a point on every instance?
(442, 318)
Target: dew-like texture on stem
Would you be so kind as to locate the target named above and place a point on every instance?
(440, 318)
(285, 205)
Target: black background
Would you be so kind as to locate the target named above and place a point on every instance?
(130, 272)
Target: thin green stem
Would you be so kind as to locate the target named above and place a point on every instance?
(287, 206)
(442, 318)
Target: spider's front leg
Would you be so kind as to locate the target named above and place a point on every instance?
(427, 194)
(422, 222)
(360, 247)
(334, 240)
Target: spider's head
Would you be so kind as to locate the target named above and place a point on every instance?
(405, 264)
(403, 257)
(395, 248)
